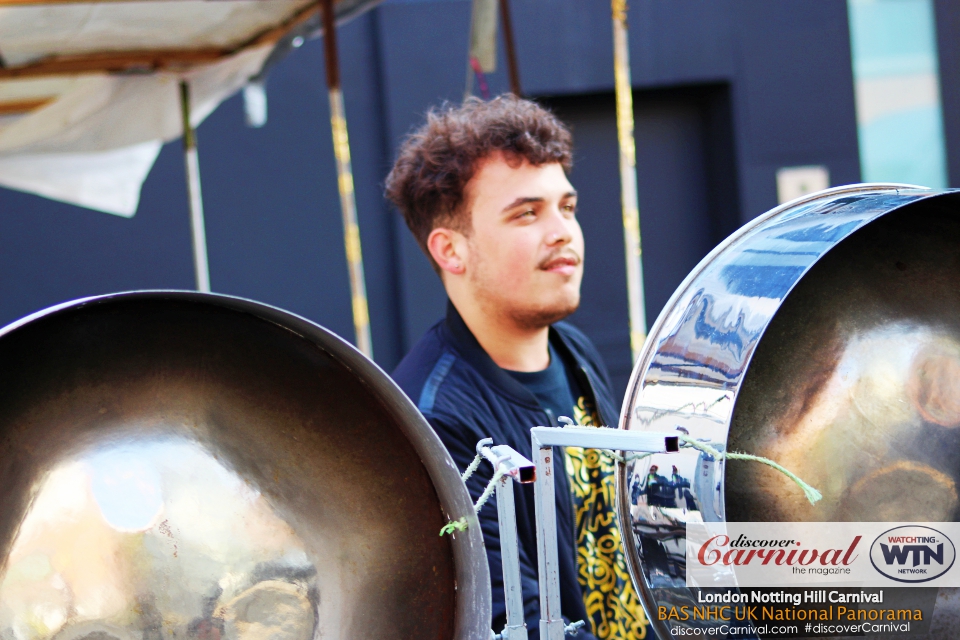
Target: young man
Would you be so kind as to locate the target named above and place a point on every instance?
(484, 189)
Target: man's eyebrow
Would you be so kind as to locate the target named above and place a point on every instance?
(520, 201)
(529, 200)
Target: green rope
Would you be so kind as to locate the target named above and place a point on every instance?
(473, 467)
(812, 494)
(461, 524)
(482, 500)
(631, 457)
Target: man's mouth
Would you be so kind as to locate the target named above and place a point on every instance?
(563, 265)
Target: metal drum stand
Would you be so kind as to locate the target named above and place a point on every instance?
(516, 468)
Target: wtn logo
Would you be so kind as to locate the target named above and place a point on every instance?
(900, 555)
(912, 554)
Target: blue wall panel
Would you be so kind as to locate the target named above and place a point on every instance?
(51, 252)
(793, 95)
(421, 67)
(947, 15)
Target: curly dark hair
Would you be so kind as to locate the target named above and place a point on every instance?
(437, 160)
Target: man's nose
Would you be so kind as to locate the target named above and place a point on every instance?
(560, 231)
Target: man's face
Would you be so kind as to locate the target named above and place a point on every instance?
(524, 250)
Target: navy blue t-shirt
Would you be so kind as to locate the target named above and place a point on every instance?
(612, 605)
(554, 387)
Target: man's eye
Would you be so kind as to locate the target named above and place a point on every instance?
(529, 213)
(570, 208)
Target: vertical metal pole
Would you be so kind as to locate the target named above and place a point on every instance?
(482, 55)
(512, 66)
(348, 203)
(551, 620)
(197, 231)
(510, 557)
(628, 178)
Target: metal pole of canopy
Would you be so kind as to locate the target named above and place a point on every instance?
(192, 161)
(482, 55)
(509, 45)
(628, 178)
(348, 203)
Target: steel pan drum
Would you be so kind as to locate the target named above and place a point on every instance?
(824, 335)
(178, 465)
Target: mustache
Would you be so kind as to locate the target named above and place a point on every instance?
(565, 253)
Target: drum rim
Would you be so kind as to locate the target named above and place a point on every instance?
(646, 352)
(472, 575)
(649, 350)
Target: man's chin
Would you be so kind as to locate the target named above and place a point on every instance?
(540, 317)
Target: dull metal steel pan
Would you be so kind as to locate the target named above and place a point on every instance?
(824, 335)
(180, 465)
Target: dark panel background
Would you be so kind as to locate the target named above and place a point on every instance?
(947, 15)
(726, 92)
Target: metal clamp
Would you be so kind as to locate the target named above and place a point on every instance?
(513, 464)
(572, 628)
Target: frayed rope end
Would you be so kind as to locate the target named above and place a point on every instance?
(454, 525)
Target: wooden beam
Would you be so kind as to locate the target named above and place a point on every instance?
(22, 106)
(15, 3)
(277, 33)
(116, 62)
(148, 61)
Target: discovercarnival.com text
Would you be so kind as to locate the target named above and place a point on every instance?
(778, 630)
(726, 629)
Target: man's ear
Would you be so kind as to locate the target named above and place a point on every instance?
(447, 247)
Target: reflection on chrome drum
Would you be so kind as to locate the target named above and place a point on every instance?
(824, 335)
(177, 465)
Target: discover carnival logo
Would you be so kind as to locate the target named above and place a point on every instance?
(743, 551)
(912, 554)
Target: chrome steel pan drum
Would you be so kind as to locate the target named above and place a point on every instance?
(824, 335)
(177, 465)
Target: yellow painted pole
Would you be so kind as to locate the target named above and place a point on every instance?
(348, 203)
(628, 178)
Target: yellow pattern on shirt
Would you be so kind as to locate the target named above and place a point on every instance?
(612, 604)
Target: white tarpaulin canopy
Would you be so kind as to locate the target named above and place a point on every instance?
(89, 91)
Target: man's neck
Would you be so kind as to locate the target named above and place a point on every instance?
(509, 346)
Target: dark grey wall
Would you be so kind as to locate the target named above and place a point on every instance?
(727, 92)
(947, 13)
